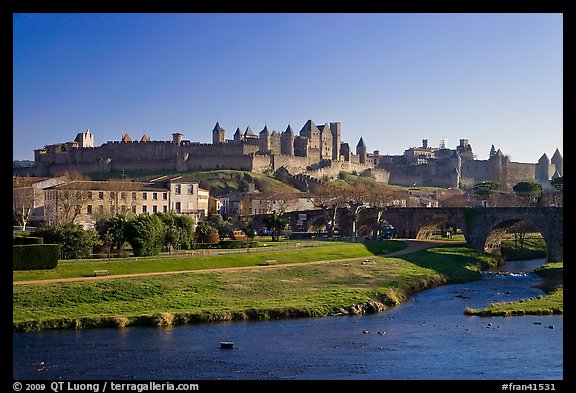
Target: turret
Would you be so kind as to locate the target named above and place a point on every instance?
(287, 142)
(264, 139)
(361, 151)
(218, 134)
(558, 161)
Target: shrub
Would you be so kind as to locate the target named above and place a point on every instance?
(35, 256)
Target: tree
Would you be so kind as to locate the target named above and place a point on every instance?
(355, 198)
(247, 226)
(328, 198)
(113, 232)
(186, 225)
(492, 152)
(76, 242)
(528, 191)
(223, 227)
(23, 202)
(70, 197)
(277, 223)
(487, 191)
(203, 232)
(146, 234)
(379, 197)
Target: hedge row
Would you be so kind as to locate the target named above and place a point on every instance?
(20, 240)
(35, 256)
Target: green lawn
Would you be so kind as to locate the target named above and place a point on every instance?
(298, 252)
(306, 290)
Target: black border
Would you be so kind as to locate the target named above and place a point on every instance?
(9, 7)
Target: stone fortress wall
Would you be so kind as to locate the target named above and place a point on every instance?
(317, 151)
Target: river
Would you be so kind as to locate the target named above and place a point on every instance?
(426, 338)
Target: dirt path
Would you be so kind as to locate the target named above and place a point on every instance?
(413, 246)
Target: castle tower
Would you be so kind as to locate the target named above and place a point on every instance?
(238, 137)
(85, 139)
(218, 134)
(558, 161)
(325, 142)
(311, 132)
(287, 142)
(336, 130)
(275, 142)
(176, 138)
(264, 139)
(543, 170)
(361, 151)
(465, 150)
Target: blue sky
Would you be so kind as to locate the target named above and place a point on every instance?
(391, 78)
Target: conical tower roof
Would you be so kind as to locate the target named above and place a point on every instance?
(217, 127)
(544, 158)
(309, 127)
(556, 156)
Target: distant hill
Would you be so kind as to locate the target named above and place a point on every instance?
(22, 163)
(218, 182)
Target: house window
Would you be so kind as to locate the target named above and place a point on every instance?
(144, 209)
(134, 209)
(144, 195)
(178, 208)
(165, 209)
(123, 209)
(154, 209)
(164, 196)
(133, 195)
(123, 195)
(190, 189)
(112, 194)
(101, 195)
(178, 189)
(155, 196)
(89, 209)
(89, 194)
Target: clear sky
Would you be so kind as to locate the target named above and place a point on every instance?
(392, 78)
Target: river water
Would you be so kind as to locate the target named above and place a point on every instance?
(426, 338)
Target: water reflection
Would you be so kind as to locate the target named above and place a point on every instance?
(427, 337)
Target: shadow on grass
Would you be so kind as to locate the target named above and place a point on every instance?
(383, 247)
(457, 263)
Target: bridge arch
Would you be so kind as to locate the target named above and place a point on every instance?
(483, 228)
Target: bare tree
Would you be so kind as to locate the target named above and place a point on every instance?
(355, 198)
(69, 197)
(379, 197)
(328, 198)
(23, 201)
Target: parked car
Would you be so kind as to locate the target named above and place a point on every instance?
(264, 232)
(238, 234)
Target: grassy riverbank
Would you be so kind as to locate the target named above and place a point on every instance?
(552, 302)
(294, 252)
(264, 293)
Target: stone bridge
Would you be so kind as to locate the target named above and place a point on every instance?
(483, 227)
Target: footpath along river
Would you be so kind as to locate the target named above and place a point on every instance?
(426, 338)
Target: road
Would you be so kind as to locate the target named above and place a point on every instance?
(413, 246)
